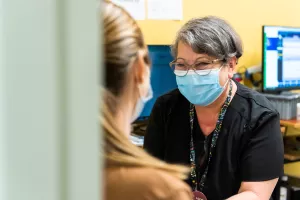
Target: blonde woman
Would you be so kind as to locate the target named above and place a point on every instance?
(130, 172)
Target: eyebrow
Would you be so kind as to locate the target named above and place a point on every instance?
(195, 60)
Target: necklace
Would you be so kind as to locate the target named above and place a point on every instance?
(195, 185)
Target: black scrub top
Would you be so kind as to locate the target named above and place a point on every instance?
(249, 147)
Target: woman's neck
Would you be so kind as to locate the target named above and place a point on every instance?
(123, 118)
(209, 114)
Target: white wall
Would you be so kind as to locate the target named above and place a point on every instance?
(3, 188)
(49, 100)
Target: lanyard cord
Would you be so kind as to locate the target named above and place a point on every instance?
(213, 143)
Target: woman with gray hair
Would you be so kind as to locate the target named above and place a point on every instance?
(228, 134)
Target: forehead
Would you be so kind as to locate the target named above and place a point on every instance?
(185, 52)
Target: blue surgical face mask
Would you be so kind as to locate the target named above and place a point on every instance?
(141, 103)
(200, 90)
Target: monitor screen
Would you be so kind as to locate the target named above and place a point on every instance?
(163, 79)
(281, 58)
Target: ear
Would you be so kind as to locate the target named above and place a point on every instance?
(232, 64)
(141, 68)
(141, 73)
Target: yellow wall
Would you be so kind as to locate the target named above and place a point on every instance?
(246, 16)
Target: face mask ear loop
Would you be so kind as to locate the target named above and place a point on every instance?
(149, 95)
(226, 83)
(227, 79)
(222, 66)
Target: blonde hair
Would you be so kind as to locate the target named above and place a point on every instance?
(122, 40)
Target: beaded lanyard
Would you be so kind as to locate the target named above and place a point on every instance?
(213, 143)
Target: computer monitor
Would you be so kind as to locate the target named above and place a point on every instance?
(163, 79)
(281, 58)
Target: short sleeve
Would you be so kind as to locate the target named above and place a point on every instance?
(154, 138)
(263, 156)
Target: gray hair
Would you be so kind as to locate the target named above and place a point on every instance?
(210, 35)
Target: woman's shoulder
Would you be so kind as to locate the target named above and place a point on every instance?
(168, 101)
(251, 104)
(145, 183)
(170, 96)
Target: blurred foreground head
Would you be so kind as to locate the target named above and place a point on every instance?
(126, 81)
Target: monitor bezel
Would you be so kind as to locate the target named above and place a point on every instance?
(277, 89)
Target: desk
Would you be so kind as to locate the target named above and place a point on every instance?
(291, 127)
(292, 169)
(293, 122)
